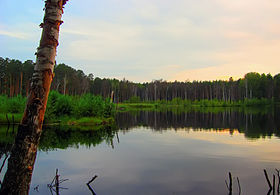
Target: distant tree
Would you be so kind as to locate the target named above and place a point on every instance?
(3, 75)
(28, 68)
(276, 79)
(15, 79)
(253, 80)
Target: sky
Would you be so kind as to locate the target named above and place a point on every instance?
(144, 40)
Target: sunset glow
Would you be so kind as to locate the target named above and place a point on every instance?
(158, 39)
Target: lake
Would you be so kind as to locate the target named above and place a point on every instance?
(161, 153)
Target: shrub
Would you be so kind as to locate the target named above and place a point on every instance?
(3, 104)
(64, 105)
(51, 107)
(90, 105)
(58, 105)
(108, 108)
(16, 104)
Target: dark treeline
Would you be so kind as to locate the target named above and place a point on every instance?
(15, 80)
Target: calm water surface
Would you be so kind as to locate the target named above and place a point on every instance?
(163, 153)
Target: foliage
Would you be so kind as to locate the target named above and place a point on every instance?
(64, 105)
(86, 105)
(51, 105)
(15, 80)
(12, 105)
(89, 105)
(186, 105)
(59, 106)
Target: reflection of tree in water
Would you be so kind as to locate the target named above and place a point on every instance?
(5, 149)
(253, 125)
(6, 143)
(62, 137)
(54, 137)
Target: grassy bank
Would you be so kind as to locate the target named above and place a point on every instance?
(84, 123)
(62, 109)
(204, 104)
(92, 110)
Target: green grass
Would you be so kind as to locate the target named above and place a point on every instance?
(136, 106)
(12, 105)
(94, 110)
(88, 121)
(63, 109)
(178, 105)
(204, 103)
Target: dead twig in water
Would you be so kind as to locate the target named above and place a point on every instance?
(8, 119)
(88, 185)
(8, 129)
(36, 188)
(278, 185)
(118, 137)
(273, 184)
(239, 187)
(229, 186)
(55, 184)
(267, 179)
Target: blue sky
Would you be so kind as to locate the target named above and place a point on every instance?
(152, 39)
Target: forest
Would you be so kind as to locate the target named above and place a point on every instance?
(201, 129)
(15, 79)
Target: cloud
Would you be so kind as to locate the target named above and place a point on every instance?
(24, 31)
(201, 52)
(172, 40)
(17, 35)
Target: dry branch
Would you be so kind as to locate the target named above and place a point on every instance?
(267, 179)
(89, 187)
(278, 185)
(54, 186)
(239, 186)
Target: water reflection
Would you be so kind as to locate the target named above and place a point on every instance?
(21, 162)
(60, 137)
(191, 155)
(22, 153)
(253, 125)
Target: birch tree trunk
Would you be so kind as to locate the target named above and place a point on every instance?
(21, 162)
